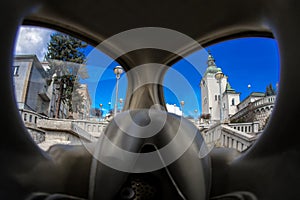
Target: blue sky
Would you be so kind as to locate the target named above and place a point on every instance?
(253, 61)
(245, 61)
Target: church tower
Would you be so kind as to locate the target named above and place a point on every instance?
(215, 93)
(231, 99)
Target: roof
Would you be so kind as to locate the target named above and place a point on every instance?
(257, 94)
(212, 68)
(229, 89)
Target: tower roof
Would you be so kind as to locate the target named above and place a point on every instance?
(211, 65)
(229, 89)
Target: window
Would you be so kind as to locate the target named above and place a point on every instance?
(232, 102)
(16, 70)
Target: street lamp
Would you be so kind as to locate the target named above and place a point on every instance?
(219, 76)
(121, 102)
(118, 70)
(249, 87)
(109, 109)
(182, 104)
(196, 111)
(101, 105)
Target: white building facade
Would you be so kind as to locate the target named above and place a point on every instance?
(35, 91)
(215, 93)
(32, 90)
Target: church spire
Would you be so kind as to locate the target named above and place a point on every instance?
(211, 65)
(211, 59)
(229, 89)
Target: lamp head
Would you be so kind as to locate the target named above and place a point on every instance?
(118, 70)
(182, 103)
(219, 75)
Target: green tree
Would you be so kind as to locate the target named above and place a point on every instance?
(97, 113)
(67, 61)
(270, 90)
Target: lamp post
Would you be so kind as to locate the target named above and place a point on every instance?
(101, 105)
(219, 76)
(118, 70)
(109, 109)
(196, 111)
(249, 87)
(174, 108)
(121, 102)
(182, 104)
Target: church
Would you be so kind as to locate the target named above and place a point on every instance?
(218, 99)
(226, 121)
(221, 103)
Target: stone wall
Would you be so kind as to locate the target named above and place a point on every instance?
(58, 137)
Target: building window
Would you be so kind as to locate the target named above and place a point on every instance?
(216, 97)
(232, 102)
(16, 70)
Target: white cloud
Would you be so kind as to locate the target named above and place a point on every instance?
(174, 109)
(33, 40)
